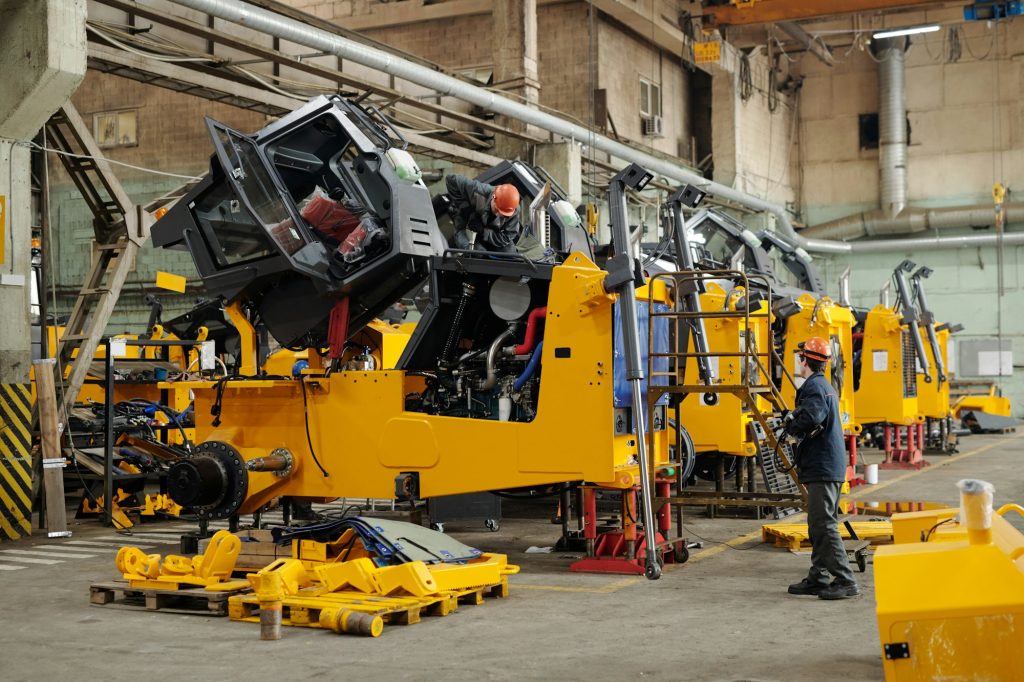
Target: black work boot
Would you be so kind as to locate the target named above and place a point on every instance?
(839, 590)
(805, 586)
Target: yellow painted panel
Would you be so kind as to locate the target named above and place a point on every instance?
(170, 281)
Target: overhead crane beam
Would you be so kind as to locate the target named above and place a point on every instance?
(772, 11)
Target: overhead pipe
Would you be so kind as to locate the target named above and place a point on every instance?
(291, 30)
(936, 243)
(870, 224)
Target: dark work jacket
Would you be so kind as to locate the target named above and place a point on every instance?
(471, 210)
(821, 457)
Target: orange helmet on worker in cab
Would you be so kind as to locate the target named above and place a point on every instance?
(815, 348)
(505, 200)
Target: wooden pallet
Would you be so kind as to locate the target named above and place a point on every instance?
(194, 601)
(304, 611)
(793, 536)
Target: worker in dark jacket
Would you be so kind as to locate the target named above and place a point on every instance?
(821, 466)
(486, 216)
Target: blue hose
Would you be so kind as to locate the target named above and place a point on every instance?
(531, 368)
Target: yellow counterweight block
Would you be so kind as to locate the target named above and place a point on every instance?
(823, 318)
(933, 398)
(724, 427)
(349, 435)
(888, 378)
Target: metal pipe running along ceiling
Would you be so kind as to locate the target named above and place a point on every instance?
(265, 21)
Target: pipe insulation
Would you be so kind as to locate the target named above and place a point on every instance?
(892, 124)
(291, 30)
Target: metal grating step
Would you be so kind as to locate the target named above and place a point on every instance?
(773, 471)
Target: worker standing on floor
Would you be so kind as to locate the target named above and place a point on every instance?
(821, 465)
(484, 215)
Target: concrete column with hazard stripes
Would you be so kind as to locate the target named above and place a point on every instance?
(44, 43)
(15, 460)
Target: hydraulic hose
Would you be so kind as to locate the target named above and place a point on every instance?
(537, 315)
(531, 368)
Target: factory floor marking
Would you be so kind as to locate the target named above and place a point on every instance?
(44, 551)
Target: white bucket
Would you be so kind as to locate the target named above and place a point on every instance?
(871, 472)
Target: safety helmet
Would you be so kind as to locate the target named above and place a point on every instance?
(505, 200)
(815, 348)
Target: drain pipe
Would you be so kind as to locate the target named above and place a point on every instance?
(291, 30)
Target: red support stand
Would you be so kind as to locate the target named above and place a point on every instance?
(621, 551)
(851, 469)
(908, 457)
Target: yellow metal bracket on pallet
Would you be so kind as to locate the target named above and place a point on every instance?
(212, 568)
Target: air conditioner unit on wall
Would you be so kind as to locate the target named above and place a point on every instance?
(652, 126)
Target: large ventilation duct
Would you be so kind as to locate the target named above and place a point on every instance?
(892, 124)
(936, 243)
(268, 22)
(870, 224)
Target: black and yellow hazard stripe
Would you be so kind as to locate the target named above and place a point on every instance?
(15, 460)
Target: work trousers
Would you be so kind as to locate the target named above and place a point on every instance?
(828, 556)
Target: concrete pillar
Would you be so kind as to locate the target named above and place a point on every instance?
(515, 59)
(564, 162)
(42, 47)
(42, 42)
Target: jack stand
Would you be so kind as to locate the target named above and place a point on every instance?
(903, 453)
(851, 469)
(624, 551)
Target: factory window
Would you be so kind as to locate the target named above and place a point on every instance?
(650, 98)
(116, 128)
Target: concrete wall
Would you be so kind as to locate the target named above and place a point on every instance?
(755, 149)
(966, 118)
(623, 59)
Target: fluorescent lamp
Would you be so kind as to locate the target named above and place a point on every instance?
(913, 30)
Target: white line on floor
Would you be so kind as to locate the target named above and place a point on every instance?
(37, 551)
(109, 544)
(5, 567)
(129, 539)
(25, 559)
(70, 552)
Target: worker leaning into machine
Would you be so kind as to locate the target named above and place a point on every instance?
(821, 465)
(489, 212)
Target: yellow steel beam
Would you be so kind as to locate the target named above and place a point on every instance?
(770, 11)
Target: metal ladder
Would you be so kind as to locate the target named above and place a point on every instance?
(121, 228)
(772, 460)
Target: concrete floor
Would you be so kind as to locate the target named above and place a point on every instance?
(725, 615)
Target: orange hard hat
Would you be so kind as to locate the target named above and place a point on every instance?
(505, 200)
(815, 348)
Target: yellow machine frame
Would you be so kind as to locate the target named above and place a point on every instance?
(887, 391)
(724, 427)
(828, 320)
(362, 436)
(933, 397)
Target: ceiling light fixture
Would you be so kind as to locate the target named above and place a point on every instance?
(912, 30)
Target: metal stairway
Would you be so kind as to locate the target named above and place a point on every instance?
(120, 227)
